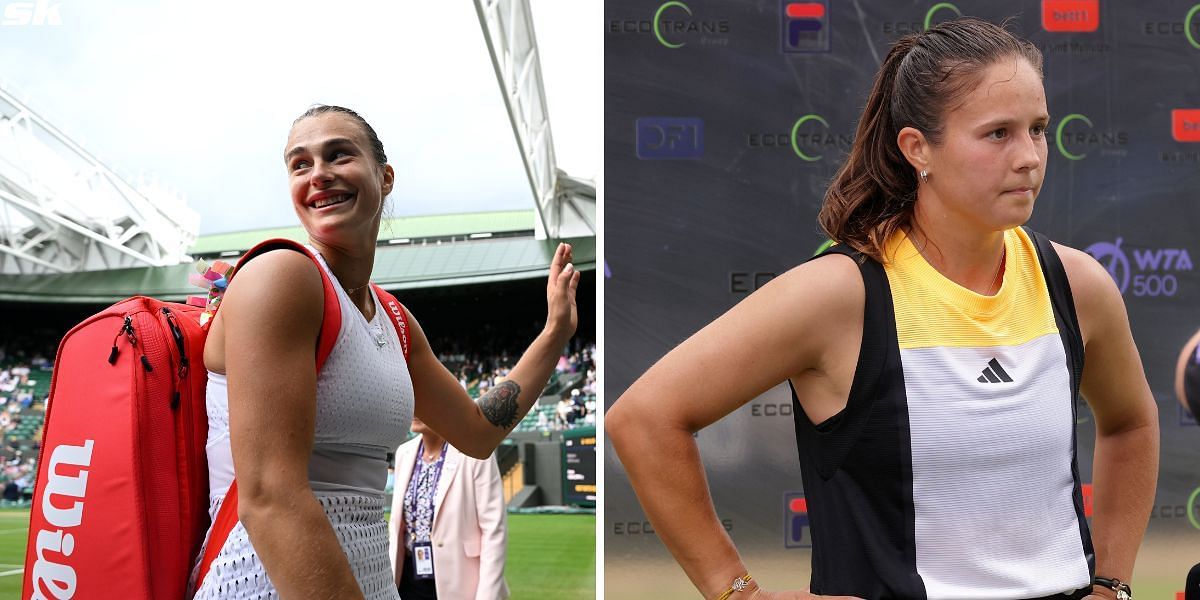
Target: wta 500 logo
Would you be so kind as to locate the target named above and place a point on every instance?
(1153, 271)
(674, 25)
(1076, 135)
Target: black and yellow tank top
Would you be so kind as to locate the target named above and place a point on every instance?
(951, 473)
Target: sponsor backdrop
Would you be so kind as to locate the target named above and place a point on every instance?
(724, 122)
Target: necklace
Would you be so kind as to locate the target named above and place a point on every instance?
(999, 268)
(429, 459)
(350, 291)
(995, 278)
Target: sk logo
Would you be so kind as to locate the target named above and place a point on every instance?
(806, 26)
(1070, 15)
(1058, 135)
(796, 533)
(670, 137)
(933, 10)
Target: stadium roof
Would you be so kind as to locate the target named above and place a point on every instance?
(439, 251)
(431, 228)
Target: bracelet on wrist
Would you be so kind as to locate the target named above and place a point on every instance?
(740, 584)
(1122, 589)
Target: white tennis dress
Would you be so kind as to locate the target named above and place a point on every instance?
(364, 409)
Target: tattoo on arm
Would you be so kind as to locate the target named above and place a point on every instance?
(499, 405)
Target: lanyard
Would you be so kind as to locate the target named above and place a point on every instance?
(418, 468)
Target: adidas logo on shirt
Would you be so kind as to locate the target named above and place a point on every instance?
(994, 373)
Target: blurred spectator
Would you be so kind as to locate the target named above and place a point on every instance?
(564, 413)
(24, 386)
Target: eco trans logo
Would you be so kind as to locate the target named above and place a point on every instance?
(937, 13)
(809, 138)
(674, 26)
(1189, 28)
(1074, 141)
(659, 22)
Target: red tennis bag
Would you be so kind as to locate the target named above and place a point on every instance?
(120, 508)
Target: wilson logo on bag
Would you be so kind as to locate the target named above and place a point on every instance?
(61, 490)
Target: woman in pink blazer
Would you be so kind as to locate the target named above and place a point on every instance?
(467, 536)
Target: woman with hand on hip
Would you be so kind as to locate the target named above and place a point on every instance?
(310, 449)
(935, 355)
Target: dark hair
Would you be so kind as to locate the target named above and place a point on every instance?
(873, 193)
(376, 145)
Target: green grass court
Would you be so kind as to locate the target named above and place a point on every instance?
(14, 526)
(549, 556)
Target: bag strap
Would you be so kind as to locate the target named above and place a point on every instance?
(398, 313)
(331, 324)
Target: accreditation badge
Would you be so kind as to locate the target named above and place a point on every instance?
(423, 560)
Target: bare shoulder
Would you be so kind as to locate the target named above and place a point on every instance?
(829, 282)
(1098, 302)
(814, 305)
(281, 287)
(1084, 272)
(280, 271)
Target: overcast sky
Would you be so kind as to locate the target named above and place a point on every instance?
(200, 95)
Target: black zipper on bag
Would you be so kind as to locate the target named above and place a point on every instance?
(131, 335)
(126, 330)
(177, 334)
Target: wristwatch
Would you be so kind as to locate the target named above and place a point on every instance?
(1124, 592)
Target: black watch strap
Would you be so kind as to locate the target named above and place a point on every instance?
(1124, 592)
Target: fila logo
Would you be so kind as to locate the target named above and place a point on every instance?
(60, 579)
(994, 373)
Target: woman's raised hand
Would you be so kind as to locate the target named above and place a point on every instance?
(562, 316)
